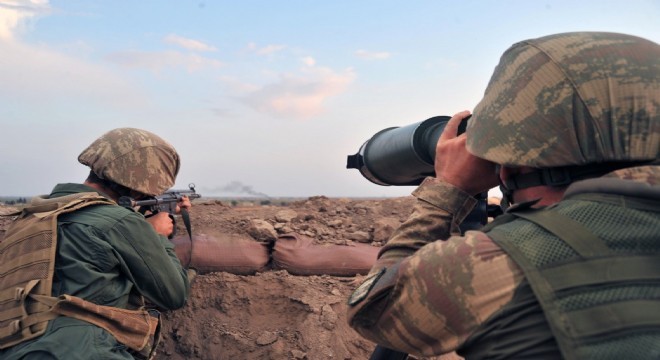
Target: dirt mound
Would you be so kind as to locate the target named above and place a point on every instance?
(326, 220)
(273, 314)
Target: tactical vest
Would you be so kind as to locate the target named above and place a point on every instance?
(593, 262)
(27, 264)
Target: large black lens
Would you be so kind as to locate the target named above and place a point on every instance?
(401, 155)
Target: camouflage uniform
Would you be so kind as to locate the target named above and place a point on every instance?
(546, 108)
(443, 289)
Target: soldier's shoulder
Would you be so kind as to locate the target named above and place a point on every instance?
(101, 215)
(649, 174)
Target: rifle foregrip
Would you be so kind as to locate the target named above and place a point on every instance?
(173, 227)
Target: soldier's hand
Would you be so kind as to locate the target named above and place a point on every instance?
(455, 165)
(162, 223)
(184, 203)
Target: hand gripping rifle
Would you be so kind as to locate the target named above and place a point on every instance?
(165, 202)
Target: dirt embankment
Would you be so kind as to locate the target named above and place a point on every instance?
(273, 314)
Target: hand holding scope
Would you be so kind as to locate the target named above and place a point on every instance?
(401, 155)
(405, 156)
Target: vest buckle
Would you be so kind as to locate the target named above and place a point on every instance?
(19, 294)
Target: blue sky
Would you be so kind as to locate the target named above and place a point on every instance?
(259, 97)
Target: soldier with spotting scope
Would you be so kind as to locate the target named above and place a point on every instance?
(77, 267)
(569, 126)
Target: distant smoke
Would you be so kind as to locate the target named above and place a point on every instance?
(236, 187)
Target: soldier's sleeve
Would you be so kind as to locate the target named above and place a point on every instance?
(423, 296)
(439, 209)
(150, 262)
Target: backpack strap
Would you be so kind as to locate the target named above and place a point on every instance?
(583, 241)
(27, 264)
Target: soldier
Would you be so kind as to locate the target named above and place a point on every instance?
(76, 267)
(569, 123)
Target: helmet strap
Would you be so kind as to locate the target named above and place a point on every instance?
(507, 197)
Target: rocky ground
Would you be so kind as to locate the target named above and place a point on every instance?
(272, 314)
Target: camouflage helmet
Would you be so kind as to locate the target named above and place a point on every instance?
(571, 99)
(134, 158)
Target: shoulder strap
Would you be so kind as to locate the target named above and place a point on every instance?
(27, 261)
(583, 241)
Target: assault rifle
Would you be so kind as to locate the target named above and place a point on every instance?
(165, 202)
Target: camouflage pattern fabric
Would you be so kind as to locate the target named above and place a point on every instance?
(432, 296)
(442, 290)
(571, 99)
(134, 158)
(642, 174)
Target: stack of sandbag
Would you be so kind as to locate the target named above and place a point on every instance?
(240, 255)
(297, 254)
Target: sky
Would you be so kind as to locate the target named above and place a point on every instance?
(260, 98)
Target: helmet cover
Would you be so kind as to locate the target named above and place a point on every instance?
(571, 99)
(134, 158)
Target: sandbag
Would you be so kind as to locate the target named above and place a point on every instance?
(300, 256)
(230, 253)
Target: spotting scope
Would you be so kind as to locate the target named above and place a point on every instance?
(405, 156)
(401, 155)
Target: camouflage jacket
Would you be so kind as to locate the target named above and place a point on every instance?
(429, 297)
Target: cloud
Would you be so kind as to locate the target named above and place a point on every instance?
(16, 14)
(34, 74)
(37, 74)
(299, 95)
(372, 55)
(161, 59)
(266, 50)
(222, 112)
(189, 44)
(309, 61)
(237, 86)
